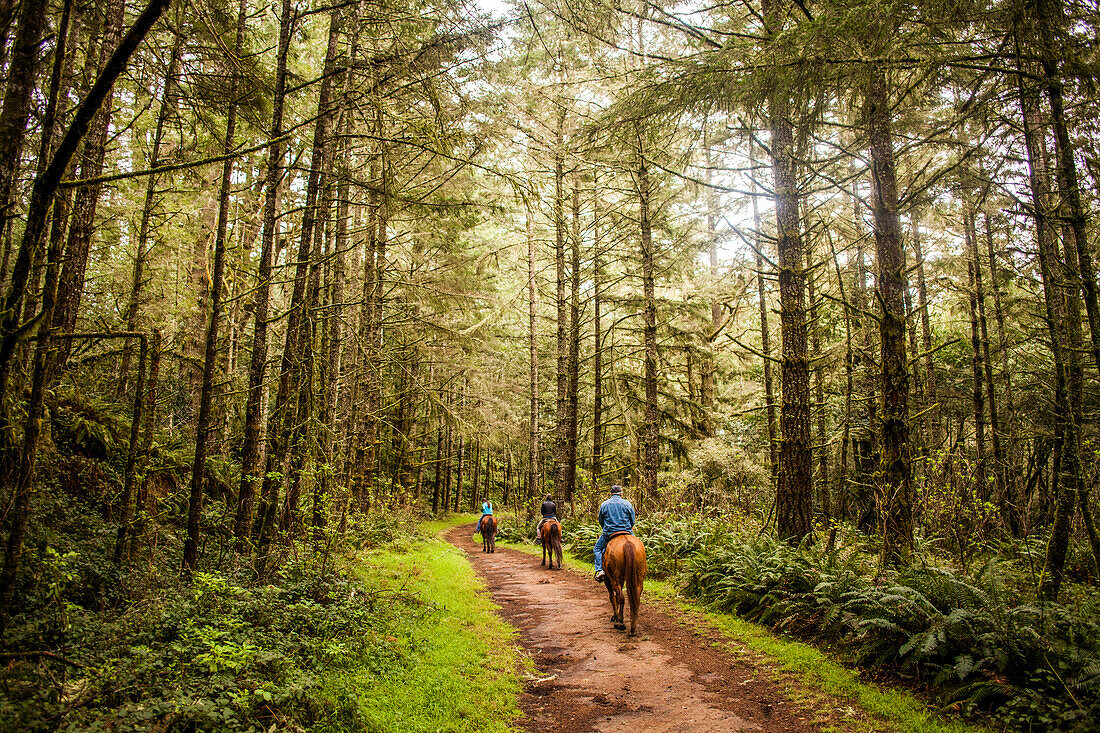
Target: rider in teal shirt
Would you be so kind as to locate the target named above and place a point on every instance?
(486, 510)
(616, 515)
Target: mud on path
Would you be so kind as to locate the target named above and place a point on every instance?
(594, 678)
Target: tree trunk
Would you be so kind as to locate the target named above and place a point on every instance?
(45, 186)
(651, 437)
(978, 393)
(71, 286)
(574, 342)
(458, 473)
(285, 409)
(765, 331)
(438, 467)
(933, 436)
(152, 387)
(794, 495)
(27, 51)
(303, 313)
(1008, 465)
(533, 364)
(597, 340)
(210, 358)
(561, 416)
(987, 364)
(168, 105)
(253, 423)
(1049, 14)
(1066, 472)
(895, 489)
(819, 402)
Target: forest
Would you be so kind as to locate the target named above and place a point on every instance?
(289, 285)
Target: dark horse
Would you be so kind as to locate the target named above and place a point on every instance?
(489, 534)
(551, 542)
(624, 564)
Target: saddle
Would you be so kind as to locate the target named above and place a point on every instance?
(620, 533)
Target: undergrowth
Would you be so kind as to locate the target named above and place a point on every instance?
(979, 642)
(325, 641)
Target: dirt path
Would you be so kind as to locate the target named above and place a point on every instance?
(594, 678)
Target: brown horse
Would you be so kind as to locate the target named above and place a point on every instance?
(551, 542)
(624, 564)
(489, 534)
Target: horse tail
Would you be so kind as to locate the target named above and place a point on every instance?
(555, 542)
(633, 570)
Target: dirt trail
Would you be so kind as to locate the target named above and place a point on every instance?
(593, 678)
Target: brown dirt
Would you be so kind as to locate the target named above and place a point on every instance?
(670, 677)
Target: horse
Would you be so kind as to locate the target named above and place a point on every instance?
(624, 564)
(551, 542)
(489, 534)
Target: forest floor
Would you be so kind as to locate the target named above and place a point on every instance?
(675, 675)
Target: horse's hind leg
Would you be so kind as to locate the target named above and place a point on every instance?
(620, 603)
(611, 597)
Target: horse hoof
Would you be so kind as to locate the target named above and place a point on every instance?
(620, 627)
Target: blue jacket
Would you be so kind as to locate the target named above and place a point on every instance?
(617, 515)
(486, 507)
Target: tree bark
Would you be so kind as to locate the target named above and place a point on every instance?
(765, 331)
(933, 420)
(978, 393)
(253, 422)
(987, 364)
(533, 365)
(45, 186)
(597, 340)
(895, 489)
(78, 248)
(794, 495)
(27, 51)
(167, 106)
(152, 390)
(650, 442)
(561, 416)
(1066, 441)
(1008, 464)
(210, 357)
(574, 341)
(1079, 258)
(303, 313)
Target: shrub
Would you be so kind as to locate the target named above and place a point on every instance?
(967, 637)
(222, 654)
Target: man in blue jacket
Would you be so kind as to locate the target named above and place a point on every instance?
(616, 515)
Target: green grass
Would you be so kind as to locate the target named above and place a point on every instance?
(805, 671)
(460, 667)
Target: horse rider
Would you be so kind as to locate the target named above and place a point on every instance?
(486, 511)
(549, 511)
(616, 515)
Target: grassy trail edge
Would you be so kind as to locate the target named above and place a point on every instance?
(467, 672)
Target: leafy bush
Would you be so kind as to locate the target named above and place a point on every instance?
(968, 637)
(219, 655)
